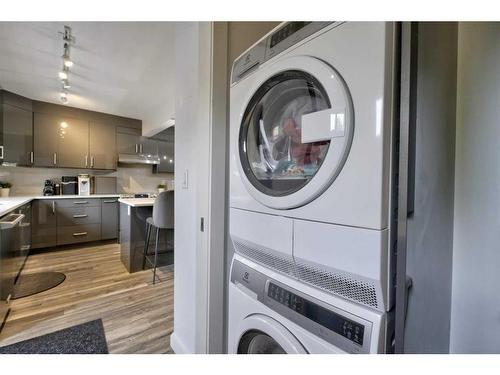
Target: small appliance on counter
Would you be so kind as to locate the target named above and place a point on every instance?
(48, 189)
(84, 185)
(69, 185)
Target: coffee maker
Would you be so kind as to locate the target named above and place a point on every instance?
(84, 185)
(48, 189)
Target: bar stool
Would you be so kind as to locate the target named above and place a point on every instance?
(163, 218)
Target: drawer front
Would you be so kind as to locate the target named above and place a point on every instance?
(78, 215)
(79, 202)
(78, 233)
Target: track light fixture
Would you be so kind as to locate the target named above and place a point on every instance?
(68, 39)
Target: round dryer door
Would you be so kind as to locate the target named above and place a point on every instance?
(296, 131)
(264, 335)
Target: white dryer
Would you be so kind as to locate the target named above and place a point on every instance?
(272, 314)
(311, 156)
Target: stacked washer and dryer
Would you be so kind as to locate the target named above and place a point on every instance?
(311, 187)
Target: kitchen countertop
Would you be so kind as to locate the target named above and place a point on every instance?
(137, 202)
(11, 203)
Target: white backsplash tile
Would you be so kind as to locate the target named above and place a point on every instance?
(129, 178)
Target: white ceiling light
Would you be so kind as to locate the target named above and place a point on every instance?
(64, 97)
(63, 74)
(67, 63)
(66, 59)
(65, 84)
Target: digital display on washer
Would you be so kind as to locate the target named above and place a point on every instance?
(334, 322)
(286, 31)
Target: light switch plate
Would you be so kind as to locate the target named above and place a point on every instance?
(185, 183)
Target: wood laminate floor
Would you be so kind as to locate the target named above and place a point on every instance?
(137, 315)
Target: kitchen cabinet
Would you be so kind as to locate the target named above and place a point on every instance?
(17, 135)
(60, 142)
(44, 140)
(73, 143)
(109, 218)
(148, 147)
(102, 146)
(128, 140)
(44, 223)
(166, 155)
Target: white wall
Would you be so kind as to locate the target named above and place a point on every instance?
(192, 62)
(475, 320)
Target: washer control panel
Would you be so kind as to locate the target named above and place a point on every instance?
(337, 323)
(347, 331)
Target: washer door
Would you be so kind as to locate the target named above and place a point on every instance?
(296, 131)
(264, 335)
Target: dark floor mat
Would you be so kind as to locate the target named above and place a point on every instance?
(86, 338)
(27, 285)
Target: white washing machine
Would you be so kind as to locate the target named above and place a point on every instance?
(311, 141)
(272, 314)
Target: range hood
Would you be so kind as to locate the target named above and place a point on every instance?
(138, 159)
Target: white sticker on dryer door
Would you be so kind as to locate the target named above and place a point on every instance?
(323, 125)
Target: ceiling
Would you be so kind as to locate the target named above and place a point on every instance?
(121, 68)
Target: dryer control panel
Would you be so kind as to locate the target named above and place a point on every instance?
(284, 37)
(341, 328)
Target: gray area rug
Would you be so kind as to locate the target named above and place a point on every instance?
(86, 338)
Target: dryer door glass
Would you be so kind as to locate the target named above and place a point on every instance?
(272, 154)
(257, 342)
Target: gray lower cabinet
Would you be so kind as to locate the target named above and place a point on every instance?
(109, 218)
(78, 233)
(67, 221)
(44, 224)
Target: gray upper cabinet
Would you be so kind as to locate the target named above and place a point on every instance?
(73, 146)
(17, 130)
(166, 155)
(60, 141)
(102, 146)
(45, 140)
(148, 147)
(128, 140)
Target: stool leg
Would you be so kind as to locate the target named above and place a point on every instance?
(156, 252)
(146, 244)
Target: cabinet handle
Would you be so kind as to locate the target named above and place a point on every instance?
(109, 201)
(86, 161)
(81, 202)
(53, 207)
(32, 157)
(80, 234)
(79, 216)
(55, 158)
(136, 148)
(140, 147)
(92, 161)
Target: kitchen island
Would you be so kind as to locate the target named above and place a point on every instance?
(133, 215)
